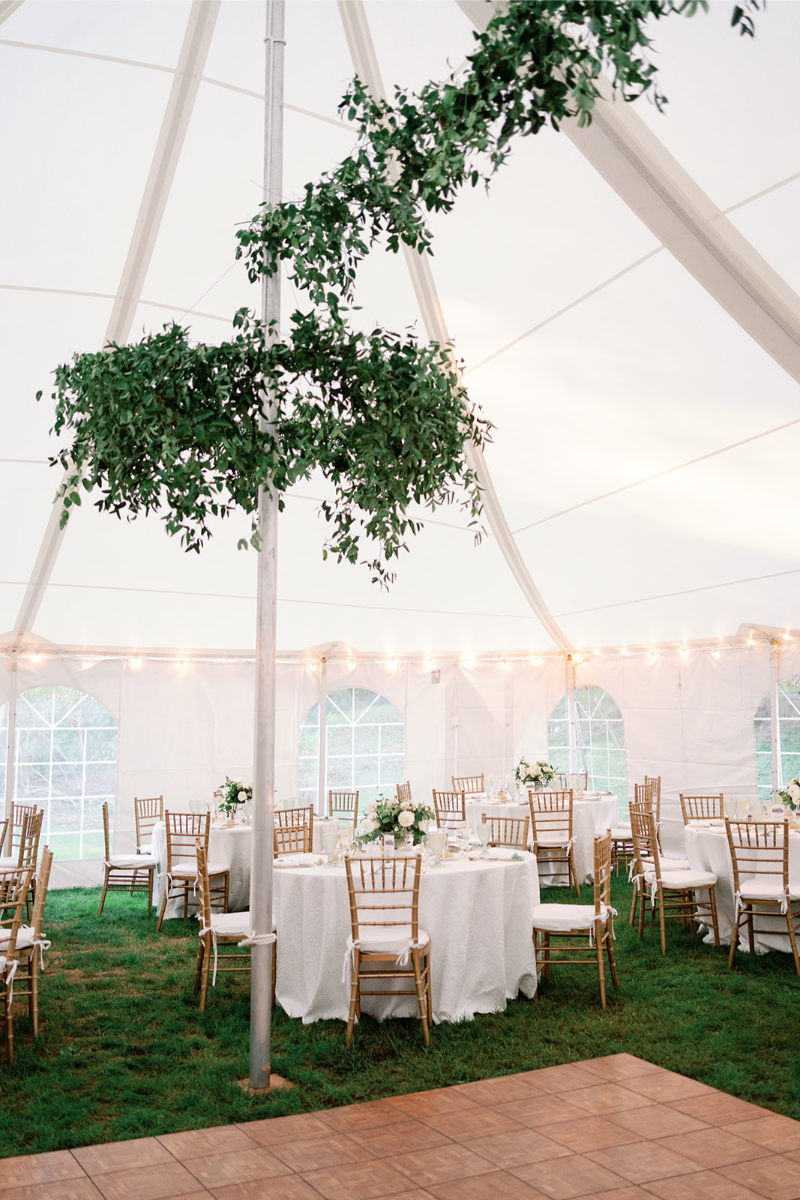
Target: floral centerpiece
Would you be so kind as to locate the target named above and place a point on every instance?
(232, 794)
(402, 818)
(791, 795)
(536, 774)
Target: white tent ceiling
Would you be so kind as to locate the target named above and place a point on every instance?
(633, 457)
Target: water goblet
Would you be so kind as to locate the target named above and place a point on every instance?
(437, 841)
(330, 840)
(483, 836)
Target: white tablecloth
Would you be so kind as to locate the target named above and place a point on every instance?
(707, 850)
(590, 818)
(231, 847)
(478, 915)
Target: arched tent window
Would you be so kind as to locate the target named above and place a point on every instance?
(66, 760)
(599, 740)
(365, 746)
(788, 736)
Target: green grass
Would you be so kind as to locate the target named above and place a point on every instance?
(123, 1051)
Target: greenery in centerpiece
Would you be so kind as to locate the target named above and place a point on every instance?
(537, 774)
(232, 794)
(790, 796)
(402, 818)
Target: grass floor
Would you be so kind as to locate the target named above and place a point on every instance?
(123, 1051)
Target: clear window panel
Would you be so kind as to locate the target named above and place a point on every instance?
(599, 741)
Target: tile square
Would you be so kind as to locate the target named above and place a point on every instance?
(439, 1165)
(407, 1136)
(474, 1123)
(666, 1086)
(214, 1170)
(499, 1185)
(159, 1182)
(432, 1104)
(590, 1133)
(40, 1168)
(197, 1143)
(655, 1121)
(560, 1079)
(314, 1154)
(541, 1110)
(713, 1147)
(606, 1098)
(56, 1189)
(508, 1150)
(643, 1161)
(283, 1187)
(770, 1130)
(566, 1178)
(777, 1178)
(703, 1185)
(359, 1116)
(508, 1089)
(119, 1156)
(616, 1067)
(274, 1130)
(359, 1181)
(718, 1108)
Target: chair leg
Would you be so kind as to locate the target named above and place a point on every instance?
(546, 938)
(133, 881)
(662, 922)
(573, 872)
(103, 897)
(634, 901)
(712, 899)
(354, 998)
(162, 908)
(185, 900)
(598, 938)
(612, 962)
(751, 933)
(199, 967)
(206, 964)
(150, 874)
(423, 1014)
(9, 1034)
(792, 938)
(33, 999)
(642, 903)
(734, 938)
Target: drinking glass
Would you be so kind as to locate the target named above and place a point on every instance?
(483, 836)
(437, 840)
(330, 840)
(388, 843)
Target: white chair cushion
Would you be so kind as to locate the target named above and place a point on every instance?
(561, 918)
(392, 942)
(233, 924)
(763, 889)
(622, 834)
(24, 937)
(682, 879)
(8, 863)
(668, 864)
(140, 861)
(552, 841)
(189, 870)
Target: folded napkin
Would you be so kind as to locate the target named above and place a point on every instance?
(497, 854)
(285, 861)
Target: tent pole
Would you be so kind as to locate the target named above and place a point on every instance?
(322, 765)
(262, 948)
(571, 712)
(774, 714)
(12, 743)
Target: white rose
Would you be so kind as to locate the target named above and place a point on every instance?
(794, 790)
(406, 819)
(242, 797)
(372, 808)
(407, 805)
(368, 825)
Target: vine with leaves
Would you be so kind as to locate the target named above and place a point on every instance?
(174, 427)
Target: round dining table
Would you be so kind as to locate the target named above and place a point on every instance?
(478, 914)
(707, 850)
(591, 817)
(230, 844)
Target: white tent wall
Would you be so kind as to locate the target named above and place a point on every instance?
(184, 727)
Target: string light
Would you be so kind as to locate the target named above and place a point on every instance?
(597, 652)
(624, 650)
(715, 654)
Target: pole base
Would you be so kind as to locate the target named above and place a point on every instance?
(276, 1084)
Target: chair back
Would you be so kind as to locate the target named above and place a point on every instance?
(19, 810)
(15, 887)
(644, 836)
(106, 834)
(507, 831)
(294, 830)
(184, 830)
(403, 791)
(343, 806)
(471, 785)
(602, 871)
(559, 781)
(42, 882)
(450, 809)
(29, 838)
(147, 811)
(759, 851)
(551, 816)
(384, 895)
(654, 783)
(3, 829)
(702, 808)
(203, 885)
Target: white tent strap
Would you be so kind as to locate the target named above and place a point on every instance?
(402, 959)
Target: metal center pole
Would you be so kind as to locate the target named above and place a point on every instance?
(266, 639)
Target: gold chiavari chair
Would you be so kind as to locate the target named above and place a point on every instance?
(702, 808)
(760, 859)
(184, 831)
(450, 809)
(3, 828)
(583, 931)
(26, 828)
(386, 942)
(18, 810)
(471, 785)
(219, 929)
(121, 870)
(147, 811)
(31, 945)
(551, 830)
(403, 792)
(653, 782)
(343, 806)
(14, 893)
(294, 830)
(559, 781)
(507, 831)
(674, 893)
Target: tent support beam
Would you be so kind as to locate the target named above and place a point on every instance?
(185, 86)
(365, 62)
(11, 745)
(775, 713)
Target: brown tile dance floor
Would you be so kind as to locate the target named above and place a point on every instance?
(614, 1127)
